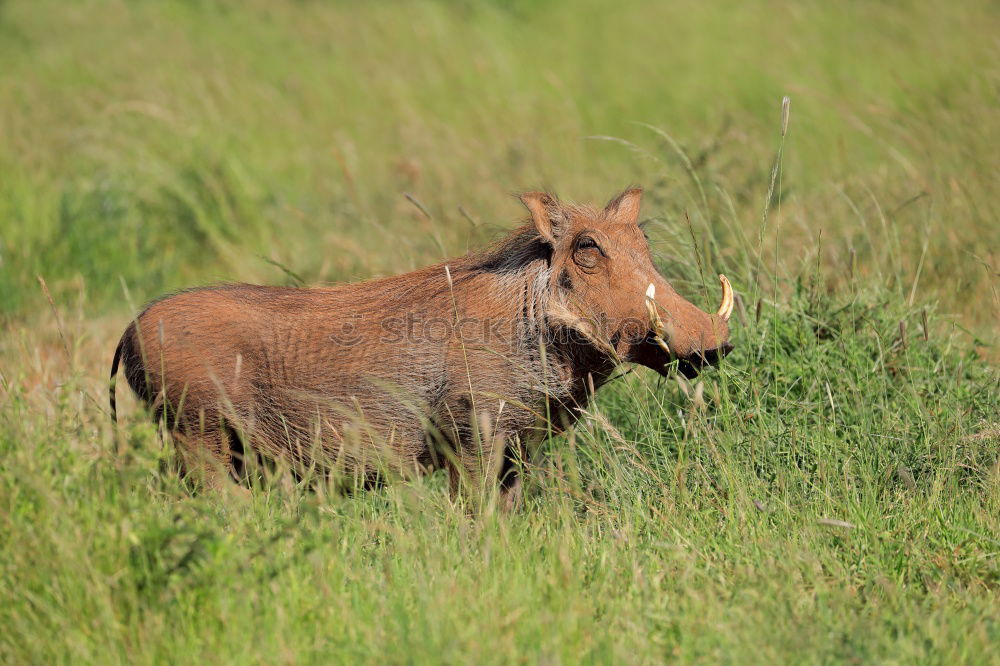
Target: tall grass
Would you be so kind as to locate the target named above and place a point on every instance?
(831, 493)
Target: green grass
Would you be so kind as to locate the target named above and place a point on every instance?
(832, 493)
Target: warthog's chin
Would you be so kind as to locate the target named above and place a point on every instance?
(651, 353)
(692, 365)
(685, 367)
(688, 369)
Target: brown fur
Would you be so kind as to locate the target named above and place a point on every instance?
(454, 365)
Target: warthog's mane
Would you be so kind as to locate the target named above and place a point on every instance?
(518, 267)
(518, 250)
(516, 253)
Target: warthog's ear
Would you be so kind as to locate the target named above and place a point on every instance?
(625, 206)
(546, 213)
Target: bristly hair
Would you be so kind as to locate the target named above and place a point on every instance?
(511, 254)
(521, 247)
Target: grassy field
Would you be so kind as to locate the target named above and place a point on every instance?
(832, 493)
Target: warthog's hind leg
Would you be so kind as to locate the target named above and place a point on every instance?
(206, 458)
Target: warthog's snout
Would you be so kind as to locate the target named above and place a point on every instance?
(682, 332)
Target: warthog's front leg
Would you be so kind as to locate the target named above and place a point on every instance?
(494, 466)
(514, 467)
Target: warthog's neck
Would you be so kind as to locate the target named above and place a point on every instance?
(517, 277)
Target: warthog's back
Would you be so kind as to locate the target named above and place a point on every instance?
(292, 368)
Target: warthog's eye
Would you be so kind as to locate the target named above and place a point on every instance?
(587, 253)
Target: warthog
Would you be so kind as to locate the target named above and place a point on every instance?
(456, 365)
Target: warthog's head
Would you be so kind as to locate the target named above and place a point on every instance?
(604, 286)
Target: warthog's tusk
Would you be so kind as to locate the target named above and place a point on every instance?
(662, 343)
(654, 318)
(726, 309)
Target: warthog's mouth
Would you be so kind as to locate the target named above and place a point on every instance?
(691, 366)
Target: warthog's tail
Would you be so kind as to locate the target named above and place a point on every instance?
(112, 381)
(133, 368)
